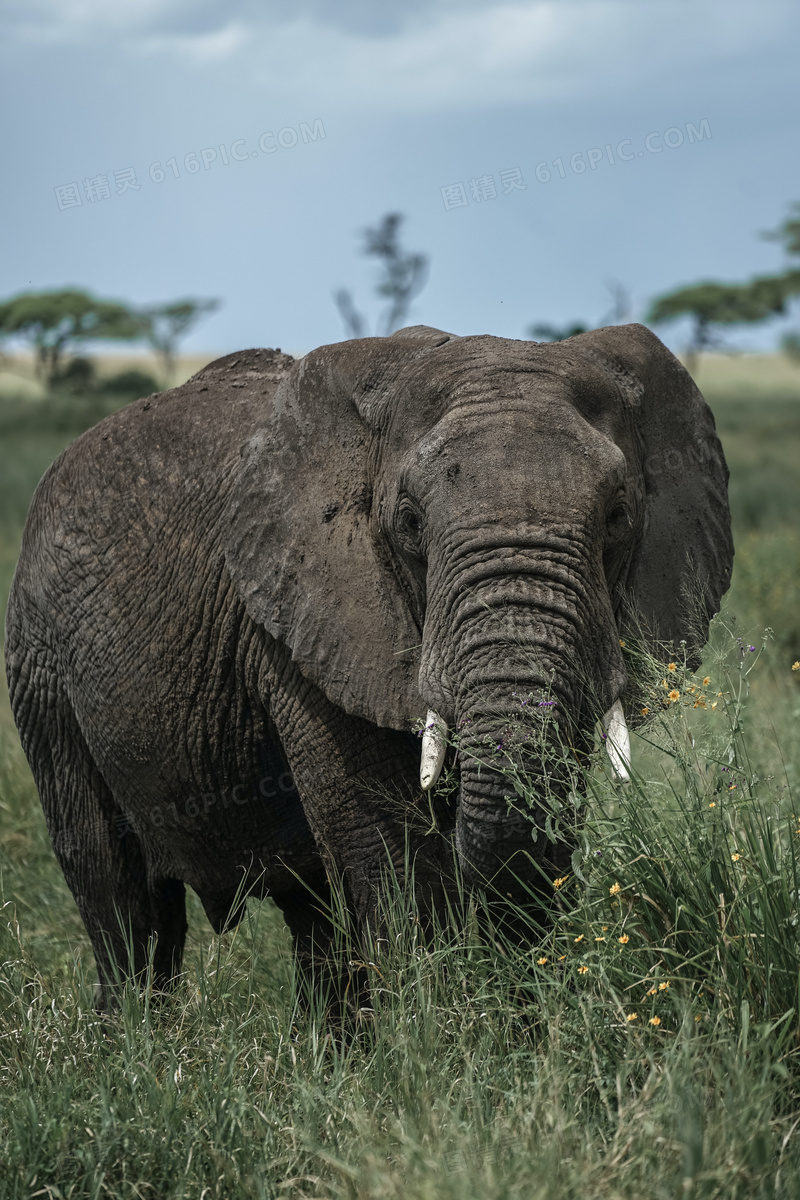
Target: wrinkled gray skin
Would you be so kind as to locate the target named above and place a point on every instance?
(235, 599)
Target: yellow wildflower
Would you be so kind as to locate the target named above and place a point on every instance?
(645, 711)
(700, 702)
(614, 889)
(707, 681)
(599, 939)
(662, 987)
(632, 1017)
(654, 1021)
(624, 939)
(735, 857)
(541, 961)
(561, 957)
(557, 883)
(796, 666)
(673, 696)
(652, 991)
(579, 938)
(713, 804)
(582, 970)
(714, 705)
(672, 666)
(621, 642)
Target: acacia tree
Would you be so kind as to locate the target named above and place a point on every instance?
(403, 276)
(552, 333)
(162, 326)
(56, 323)
(711, 304)
(788, 233)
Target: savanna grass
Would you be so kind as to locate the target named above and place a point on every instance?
(645, 1044)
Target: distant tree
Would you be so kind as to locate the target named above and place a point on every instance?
(78, 376)
(132, 382)
(788, 233)
(790, 345)
(55, 323)
(163, 325)
(551, 333)
(403, 276)
(4, 333)
(621, 307)
(710, 304)
(620, 311)
(353, 321)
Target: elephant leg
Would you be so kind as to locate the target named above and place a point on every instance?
(307, 913)
(328, 973)
(124, 906)
(359, 786)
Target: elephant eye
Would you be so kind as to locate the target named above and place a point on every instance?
(409, 524)
(618, 521)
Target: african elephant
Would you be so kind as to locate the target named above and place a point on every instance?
(235, 599)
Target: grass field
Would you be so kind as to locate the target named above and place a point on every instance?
(647, 1046)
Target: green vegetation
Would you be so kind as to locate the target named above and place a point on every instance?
(55, 324)
(710, 304)
(163, 326)
(554, 333)
(646, 1046)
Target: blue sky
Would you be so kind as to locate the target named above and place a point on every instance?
(375, 108)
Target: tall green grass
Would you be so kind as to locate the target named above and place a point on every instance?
(646, 1043)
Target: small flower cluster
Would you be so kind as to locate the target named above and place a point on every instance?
(693, 693)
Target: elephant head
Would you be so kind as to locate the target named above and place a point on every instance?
(441, 525)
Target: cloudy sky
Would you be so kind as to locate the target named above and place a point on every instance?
(154, 149)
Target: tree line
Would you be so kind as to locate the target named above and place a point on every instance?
(56, 324)
(710, 305)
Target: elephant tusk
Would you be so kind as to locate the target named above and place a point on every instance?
(434, 744)
(618, 742)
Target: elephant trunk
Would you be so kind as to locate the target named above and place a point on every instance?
(514, 761)
(533, 663)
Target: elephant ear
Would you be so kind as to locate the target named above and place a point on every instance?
(304, 548)
(682, 566)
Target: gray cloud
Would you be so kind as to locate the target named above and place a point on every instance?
(78, 20)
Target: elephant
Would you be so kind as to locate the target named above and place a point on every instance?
(238, 599)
